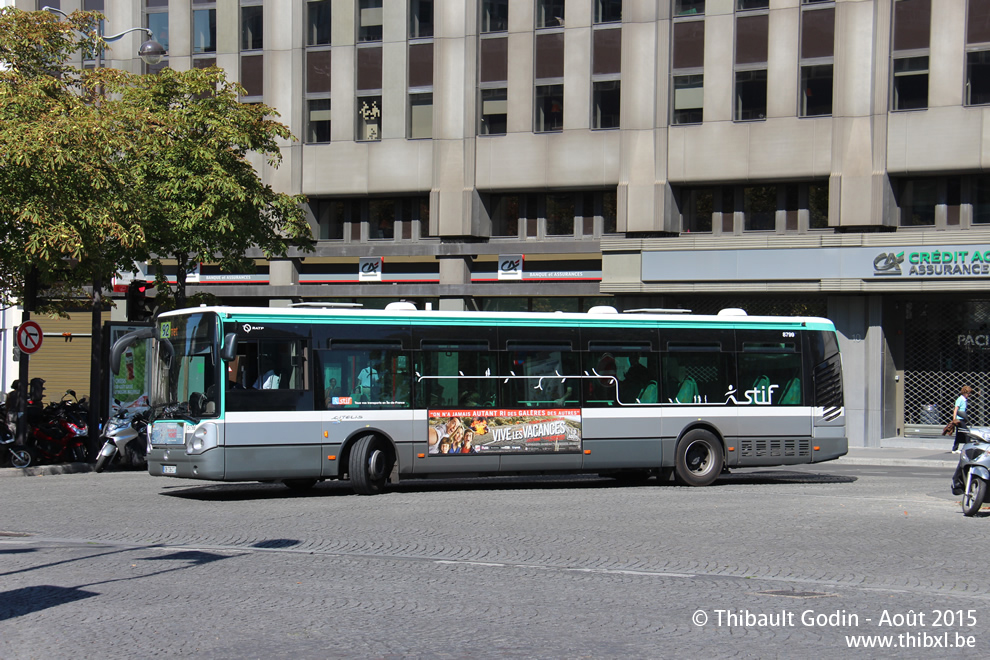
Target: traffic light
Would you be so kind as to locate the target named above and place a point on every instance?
(135, 300)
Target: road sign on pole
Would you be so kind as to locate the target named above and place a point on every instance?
(29, 337)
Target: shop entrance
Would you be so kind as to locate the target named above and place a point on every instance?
(946, 346)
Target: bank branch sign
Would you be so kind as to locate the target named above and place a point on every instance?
(876, 263)
(933, 263)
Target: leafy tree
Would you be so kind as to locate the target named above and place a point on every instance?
(202, 199)
(66, 204)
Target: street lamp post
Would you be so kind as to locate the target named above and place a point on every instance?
(151, 52)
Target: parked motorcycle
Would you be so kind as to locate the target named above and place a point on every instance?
(125, 435)
(973, 472)
(58, 431)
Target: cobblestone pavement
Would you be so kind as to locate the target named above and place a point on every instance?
(770, 563)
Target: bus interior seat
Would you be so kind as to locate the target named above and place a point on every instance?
(791, 395)
(687, 390)
(649, 393)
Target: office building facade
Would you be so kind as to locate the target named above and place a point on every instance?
(783, 156)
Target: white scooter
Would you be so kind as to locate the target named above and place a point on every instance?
(126, 434)
(973, 472)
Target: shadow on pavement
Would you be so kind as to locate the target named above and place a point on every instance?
(230, 492)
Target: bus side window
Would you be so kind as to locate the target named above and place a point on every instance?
(269, 374)
(696, 377)
(771, 374)
(540, 379)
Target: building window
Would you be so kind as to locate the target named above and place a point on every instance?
(549, 13)
(816, 90)
(374, 219)
(549, 109)
(369, 20)
(605, 77)
(799, 206)
(369, 109)
(697, 209)
(421, 115)
(687, 72)
(752, 32)
(204, 31)
(608, 11)
(689, 7)
(978, 78)
(317, 120)
(751, 95)
(910, 83)
(156, 20)
(252, 27)
(688, 100)
(916, 200)
(420, 111)
(318, 23)
(818, 205)
(539, 215)
(911, 35)
(980, 192)
(817, 54)
(746, 5)
(760, 208)
(560, 212)
(493, 110)
(494, 16)
(605, 104)
(420, 19)
(252, 43)
(318, 59)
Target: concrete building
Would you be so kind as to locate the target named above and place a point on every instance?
(783, 156)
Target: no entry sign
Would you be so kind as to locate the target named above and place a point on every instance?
(29, 337)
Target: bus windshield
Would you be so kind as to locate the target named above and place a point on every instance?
(186, 368)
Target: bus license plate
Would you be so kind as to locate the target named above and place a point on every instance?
(168, 469)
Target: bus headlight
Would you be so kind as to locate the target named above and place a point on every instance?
(203, 438)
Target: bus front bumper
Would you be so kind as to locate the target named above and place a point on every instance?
(173, 461)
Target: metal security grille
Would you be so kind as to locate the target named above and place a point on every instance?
(946, 346)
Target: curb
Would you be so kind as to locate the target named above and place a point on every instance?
(898, 462)
(45, 470)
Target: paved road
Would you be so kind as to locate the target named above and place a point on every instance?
(773, 563)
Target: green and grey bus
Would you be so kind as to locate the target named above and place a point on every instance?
(300, 395)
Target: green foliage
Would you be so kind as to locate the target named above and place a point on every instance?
(66, 210)
(103, 168)
(202, 198)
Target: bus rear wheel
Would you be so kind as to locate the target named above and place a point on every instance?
(698, 460)
(369, 465)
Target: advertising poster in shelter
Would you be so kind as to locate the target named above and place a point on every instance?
(130, 385)
(488, 431)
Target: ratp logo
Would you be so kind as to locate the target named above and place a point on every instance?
(888, 263)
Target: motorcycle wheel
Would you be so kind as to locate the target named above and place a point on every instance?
(20, 458)
(973, 498)
(78, 454)
(103, 461)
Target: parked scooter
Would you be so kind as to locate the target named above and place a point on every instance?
(18, 456)
(973, 472)
(125, 435)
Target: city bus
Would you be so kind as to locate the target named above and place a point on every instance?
(300, 395)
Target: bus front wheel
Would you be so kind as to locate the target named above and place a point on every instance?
(369, 465)
(699, 458)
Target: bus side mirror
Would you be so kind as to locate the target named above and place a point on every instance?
(229, 351)
(121, 345)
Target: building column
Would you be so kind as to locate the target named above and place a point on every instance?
(858, 321)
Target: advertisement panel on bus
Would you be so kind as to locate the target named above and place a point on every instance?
(488, 431)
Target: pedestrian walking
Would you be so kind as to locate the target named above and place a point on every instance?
(959, 417)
